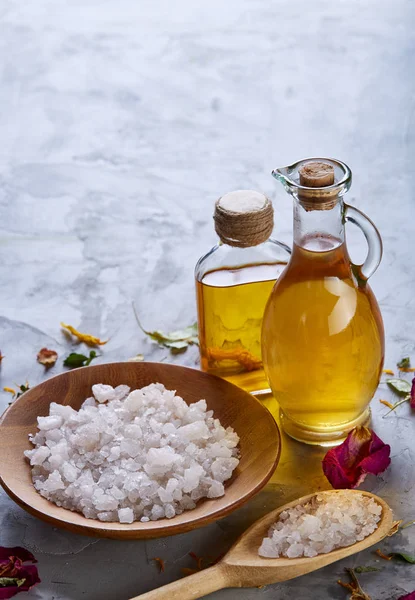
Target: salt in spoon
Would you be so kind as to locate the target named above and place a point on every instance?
(243, 567)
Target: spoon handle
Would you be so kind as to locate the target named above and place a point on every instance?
(191, 587)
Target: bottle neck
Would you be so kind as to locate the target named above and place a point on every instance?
(318, 230)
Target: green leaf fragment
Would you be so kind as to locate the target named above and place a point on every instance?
(399, 386)
(403, 556)
(23, 388)
(11, 581)
(177, 341)
(177, 347)
(366, 569)
(404, 363)
(91, 357)
(188, 333)
(75, 360)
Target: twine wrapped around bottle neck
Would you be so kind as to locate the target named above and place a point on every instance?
(244, 218)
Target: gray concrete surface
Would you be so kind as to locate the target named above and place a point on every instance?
(121, 123)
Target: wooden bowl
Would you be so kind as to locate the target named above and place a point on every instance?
(259, 443)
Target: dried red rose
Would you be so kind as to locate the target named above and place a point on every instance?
(15, 577)
(361, 453)
(47, 357)
(412, 399)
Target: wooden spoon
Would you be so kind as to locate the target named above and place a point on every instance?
(243, 567)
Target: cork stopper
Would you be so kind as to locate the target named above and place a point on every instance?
(317, 175)
(244, 218)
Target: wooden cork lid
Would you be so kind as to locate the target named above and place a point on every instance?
(316, 174)
(244, 218)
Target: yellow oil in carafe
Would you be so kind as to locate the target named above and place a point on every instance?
(322, 344)
(231, 304)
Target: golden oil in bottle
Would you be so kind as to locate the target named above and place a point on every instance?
(233, 283)
(326, 364)
(231, 305)
(322, 333)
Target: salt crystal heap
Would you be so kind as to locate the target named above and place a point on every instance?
(327, 521)
(126, 456)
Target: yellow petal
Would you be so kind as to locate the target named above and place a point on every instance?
(384, 556)
(386, 403)
(247, 360)
(395, 528)
(90, 340)
(10, 390)
(388, 372)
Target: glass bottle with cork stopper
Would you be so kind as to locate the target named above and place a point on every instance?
(322, 336)
(233, 283)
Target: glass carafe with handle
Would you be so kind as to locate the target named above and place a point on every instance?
(322, 332)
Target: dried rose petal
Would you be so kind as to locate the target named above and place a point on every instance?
(361, 453)
(17, 551)
(11, 566)
(47, 357)
(410, 596)
(412, 400)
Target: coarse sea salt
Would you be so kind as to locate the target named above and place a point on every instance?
(131, 455)
(327, 521)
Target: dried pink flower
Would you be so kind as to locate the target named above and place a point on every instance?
(362, 452)
(412, 399)
(410, 596)
(16, 577)
(47, 357)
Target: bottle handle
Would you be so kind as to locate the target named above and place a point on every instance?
(374, 242)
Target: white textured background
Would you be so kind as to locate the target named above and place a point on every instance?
(120, 123)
